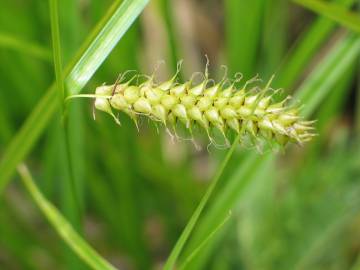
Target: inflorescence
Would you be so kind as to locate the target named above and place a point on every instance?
(248, 110)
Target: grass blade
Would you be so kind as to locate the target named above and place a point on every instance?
(62, 227)
(55, 34)
(305, 48)
(333, 11)
(239, 180)
(26, 47)
(345, 53)
(316, 248)
(242, 43)
(203, 243)
(100, 43)
(171, 261)
(356, 265)
(71, 206)
(224, 202)
(103, 44)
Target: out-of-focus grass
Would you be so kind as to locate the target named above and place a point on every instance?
(234, 188)
(304, 49)
(24, 46)
(315, 88)
(335, 12)
(94, 51)
(62, 226)
(244, 21)
(70, 194)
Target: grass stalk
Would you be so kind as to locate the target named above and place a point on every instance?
(171, 261)
(25, 47)
(61, 225)
(69, 192)
(55, 34)
(95, 49)
(203, 243)
(333, 11)
(312, 91)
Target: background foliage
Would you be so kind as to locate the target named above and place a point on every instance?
(129, 194)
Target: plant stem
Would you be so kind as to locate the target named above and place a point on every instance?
(203, 243)
(170, 263)
(61, 225)
(70, 201)
(55, 34)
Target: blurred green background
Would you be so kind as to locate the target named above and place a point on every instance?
(130, 193)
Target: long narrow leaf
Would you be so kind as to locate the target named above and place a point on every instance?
(305, 48)
(236, 184)
(333, 11)
(26, 47)
(345, 53)
(61, 225)
(70, 195)
(170, 263)
(55, 33)
(103, 39)
(110, 34)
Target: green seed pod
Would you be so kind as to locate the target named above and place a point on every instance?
(118, 102)
(250, 113)
(131, 94)
(142, 105)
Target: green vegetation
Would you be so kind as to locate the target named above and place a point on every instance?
(96, 195)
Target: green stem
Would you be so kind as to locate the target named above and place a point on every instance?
(203, 243)
(55, 34)
(170, 263)
(25, 47)
(334, 12)
(86, 96)
(95, 49)
(70, 199)
(62, 227)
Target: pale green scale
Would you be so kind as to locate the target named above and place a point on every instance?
(251, 127)
(204, 103)
(278, 127)
(179, 90)
(250, 100)
(212, 91)
(264, 102)
(237, 99)
(142, 105)
(213, 116)
(119, 102)
(168, 101)
(132, 94)
(221, 102)
(188, 101)
(179, 111)
(227, 93)
(288, 118)
(153, 95)
(228, 112)
(159, 112)
(234, 124)
(198, 90)
(195, 114)
(244, 112)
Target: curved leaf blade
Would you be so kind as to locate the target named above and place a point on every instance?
(62, 226)
(95, 50)
(333, 11)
